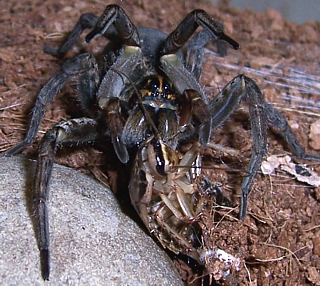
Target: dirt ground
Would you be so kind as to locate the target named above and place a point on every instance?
(279, 241)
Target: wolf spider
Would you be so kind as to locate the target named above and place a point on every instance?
(144, 83)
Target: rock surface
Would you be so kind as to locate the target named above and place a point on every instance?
(92, 241)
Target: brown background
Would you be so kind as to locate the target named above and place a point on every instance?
(280, 239)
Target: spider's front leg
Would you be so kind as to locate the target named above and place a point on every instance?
(115, 15)
(187, 28)
(211, 30)
(80, 130)
(186, 80)
(113, 24)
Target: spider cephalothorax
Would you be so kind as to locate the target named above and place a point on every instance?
(146, 86)
(160, 102)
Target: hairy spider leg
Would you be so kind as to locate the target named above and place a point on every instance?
(86, 21)
(115, 15)
(187, 28)
(259, 109)
(261, 114)
(77, 131)
(83, 66)
(113, 24)
(212, 30)
(195, 51)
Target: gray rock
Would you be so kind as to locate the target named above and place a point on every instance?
(92, 241)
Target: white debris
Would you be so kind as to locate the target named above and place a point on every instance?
(300, 171)
(225, 262)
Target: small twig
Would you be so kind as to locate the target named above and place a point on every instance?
(227, 214)
(54, 36)
(312, 228)
(259, 217)
(298, 111)
(249, 275)
(11, 106)
(291, 253)
(272, 259)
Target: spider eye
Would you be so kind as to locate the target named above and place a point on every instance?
(157, 92)
(154, 86)
(151, 86)
(166, 90)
